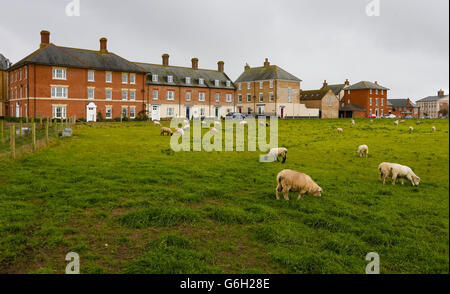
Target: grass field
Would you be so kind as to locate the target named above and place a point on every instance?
(118, 196)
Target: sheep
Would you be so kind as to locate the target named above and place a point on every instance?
(371, 121)
(156, 123)
(417, 122)
(217, 123)
(186, 122)
(433, 129)
(166, 131)
(179, 131)
(289, 180)
(397, 171)
(396, 123)
(363, 150)
(402, 121)
(353, 122)
(340, 130)
(385, 171)
(213, 130)
(243, 123)
(411, 129)
(186, 127)
(277, 152)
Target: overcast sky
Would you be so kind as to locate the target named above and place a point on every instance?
(405, 48)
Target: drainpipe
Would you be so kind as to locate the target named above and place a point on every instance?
(34, 78)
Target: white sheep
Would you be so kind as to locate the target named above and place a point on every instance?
(353, 122)
(179, 131)
(340, 130)
(398, 171)
(363, 150)
(217, 123)
(156, 123)
(433, 129)
(396, 123)
(277, 152)
(411, 129)
(243, 123)
(213, 130)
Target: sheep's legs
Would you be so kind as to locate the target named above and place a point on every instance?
(286, 194)
(300, 196)
(394, 178)
(278, 190)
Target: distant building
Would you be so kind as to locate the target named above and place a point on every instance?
(403, 107)
(364, 99)
(4, 65)
(270, 90)
(338, 89)
(324, 99)
(434, 106)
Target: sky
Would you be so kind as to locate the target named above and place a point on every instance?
(402, 44)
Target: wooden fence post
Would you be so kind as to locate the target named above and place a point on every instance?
(33, 131)
(12, 141)
(20, 126)
(26, 119)
(46, 132)
(2, 135)
(40, 121)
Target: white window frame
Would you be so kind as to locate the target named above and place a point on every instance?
(170, 111)
(249, 86)
(133, 112)
(201, 96)
(155, 97)
(91, 78)
(217, 97)
(63, 111)
(271, 97)
(188, 80)
(216, 83)
(108, 90)
(132, 95)
(201, 81)
(91, 91)
(240, 86)
(188, 96)
(370, 101)
(108, 74)
(370, 91)
(170, 95)
(240, 98)
(228, 83)
(124, 91)
(289, 94)
(170, 79)
(330, 101)
(261, 97)
(229, 98)
(124, 78)
(155, 78)
(271, 84)
(132, 78)
(249, 96)
(58, 73)
(126, 111)
(261, 84)
(106, 112)
(54, 92)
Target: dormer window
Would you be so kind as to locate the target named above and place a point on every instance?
(188, 80)
(228, 83)
(170, 79)
(201, 81)
(217, 83)
(154, 78)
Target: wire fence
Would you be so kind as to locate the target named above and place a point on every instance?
(28, 135)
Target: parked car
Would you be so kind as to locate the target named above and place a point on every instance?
(234, 115)
(372, 116)
(409, 117)
(391, 116)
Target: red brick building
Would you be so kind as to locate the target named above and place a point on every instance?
(364, 99)
(404, 107)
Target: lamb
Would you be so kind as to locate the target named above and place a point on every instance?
(277, 152)
(433, 129)
(179, 131)
(156, 123)
(340, 130)
(166, 131)
(398, 171)
(213, 130)
(363, 150)
(396, 123)
(289, 180)
(353, 122)
(411, 129)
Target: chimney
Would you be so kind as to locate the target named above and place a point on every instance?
(266, 63)
(325, 83)
(165, 59)
(441, 92)
(347, 83)
(45, 38)
(194, 63)
(220, 66)
(376, 83)
(247, 67)
(103, 47)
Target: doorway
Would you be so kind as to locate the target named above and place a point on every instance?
(91, 112)
(156, 115)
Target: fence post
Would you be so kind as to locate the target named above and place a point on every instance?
(20, 126)
(40, 121)
(26, 119)
(49, 121)
(2, 138)
(12, 141)
(46, 132)
(33, 131)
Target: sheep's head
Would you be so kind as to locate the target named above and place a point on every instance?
(416, 180)
(317, 191)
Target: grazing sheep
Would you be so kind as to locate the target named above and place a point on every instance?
(411, 129)
(353, 122)
(289, 180)
(397, 171)
(363, 150)
(385, 171)
(402, 121)
(166, 131)
(213, 130)
(179, 131)
(417, 122)
(243, 122)
(340, 130)
(277, 152)
(217, 123)
(156, 123)
(433, 129)
(371, 121)
(396, 123)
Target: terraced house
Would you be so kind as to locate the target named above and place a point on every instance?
(175, 91)
(270, 91)
(60, 82)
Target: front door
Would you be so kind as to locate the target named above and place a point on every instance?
(17, 109)
(91, 112)
(188, 112)
(282, 112)
(156, 115)
(216, 112)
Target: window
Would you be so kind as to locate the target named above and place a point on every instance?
(376, 101)
(170, 95)
(132, 95)
(91, 93)
(132, 112)
(124, 111)
(376, 91)
(91, 76)
(155, 78)
(271, 84)
(260, 85)
(108, 77)
(133, 79)
(248, 86)
(188, 80)
(170, 79)
(124, 94)
(201, 96)
(228, 83)
(59, 111)
(216, 83)
(229, 98)
(155, 94)
(25, 72)
(348, 91)
(20, 74)
(249, 98)
(108, 112)
(240, 86)
(261, 109)
(261, 97)
(289, 94)
(170, 111)
(239, 98)
(124, 78)
(382, 102)
(57, 74)
(108, 94)
(188, 96)
(202, 111)
(370, 91)
(370, 112)
(271, 97)
(201, 81)
(330, 101)
(370, 101)
(217, 97)
(58, 92)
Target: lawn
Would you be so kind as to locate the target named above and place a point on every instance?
(116, 194)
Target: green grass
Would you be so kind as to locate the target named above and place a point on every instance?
(118, 196)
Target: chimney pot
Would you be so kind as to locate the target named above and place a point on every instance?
(347, 83)
(441, 92)
(220, 66)
(103, 45)
(165, 59)
(45, 38)
(247, 67)
(325, 83)
(194, 63)
(266, 63)
(376, 82)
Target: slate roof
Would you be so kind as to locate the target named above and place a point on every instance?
(179, 75)
(313, 94)
(271, 72)
(431, 98)
(337, 88)
(352, 107)
(81, 58)
(400, 103)
(365, 85)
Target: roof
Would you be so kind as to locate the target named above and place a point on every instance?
(314, 94)
(179, 75)
(81, 58)
(271, 72)
(432, 98)
(403, 102)
(365, 85)
(337, 88)
(4, 62)
(352, 107)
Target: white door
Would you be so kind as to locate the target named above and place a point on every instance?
(156, 115)
(17, 109)
(91, 112)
